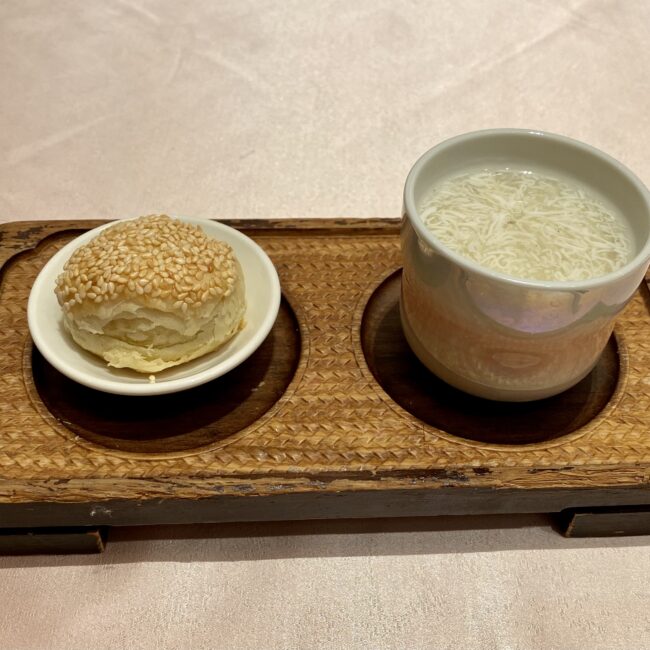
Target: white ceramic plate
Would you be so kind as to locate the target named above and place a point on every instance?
(45, 320)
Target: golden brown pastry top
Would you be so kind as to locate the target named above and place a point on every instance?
(153, 260)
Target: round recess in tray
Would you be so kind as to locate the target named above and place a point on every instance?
(411, 385)
(181, 421)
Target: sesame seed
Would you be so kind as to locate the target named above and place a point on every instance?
(153, 256)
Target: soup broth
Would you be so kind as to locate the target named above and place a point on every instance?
(528, 225)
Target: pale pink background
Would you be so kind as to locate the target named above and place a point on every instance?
(310, 109)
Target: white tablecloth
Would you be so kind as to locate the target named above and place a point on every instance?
(310, 109)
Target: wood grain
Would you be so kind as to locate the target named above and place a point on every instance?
(332, 435)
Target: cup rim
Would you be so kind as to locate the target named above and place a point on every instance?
(412, 213)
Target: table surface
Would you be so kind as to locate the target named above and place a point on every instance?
(241, 109)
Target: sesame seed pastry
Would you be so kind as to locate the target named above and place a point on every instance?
(151, 293)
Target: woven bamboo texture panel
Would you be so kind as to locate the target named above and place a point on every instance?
(334, 420)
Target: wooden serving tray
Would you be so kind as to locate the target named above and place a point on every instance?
(332, 417)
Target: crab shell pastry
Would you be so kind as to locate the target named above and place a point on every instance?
(151, 293)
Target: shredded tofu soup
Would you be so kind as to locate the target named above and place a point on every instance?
(527, 225)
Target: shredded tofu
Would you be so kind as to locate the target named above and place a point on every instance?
(527, 225)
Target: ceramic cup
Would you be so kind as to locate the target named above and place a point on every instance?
(500, 337)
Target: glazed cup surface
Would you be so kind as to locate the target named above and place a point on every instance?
(500, 337)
